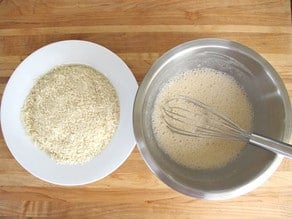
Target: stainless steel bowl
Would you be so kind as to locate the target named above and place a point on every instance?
(272, 117)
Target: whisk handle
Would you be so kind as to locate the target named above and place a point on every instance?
(271, 145)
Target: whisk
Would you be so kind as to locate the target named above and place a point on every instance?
(187, 116)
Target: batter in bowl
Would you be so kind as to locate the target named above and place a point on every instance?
(218, 90)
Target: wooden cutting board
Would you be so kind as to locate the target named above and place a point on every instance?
(139, 32)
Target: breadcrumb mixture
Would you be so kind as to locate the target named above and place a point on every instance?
(71, 113)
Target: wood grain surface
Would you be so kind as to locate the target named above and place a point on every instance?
(139, 32)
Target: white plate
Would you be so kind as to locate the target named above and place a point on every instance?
(21, 81)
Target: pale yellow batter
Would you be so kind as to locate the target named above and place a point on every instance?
(221, 92)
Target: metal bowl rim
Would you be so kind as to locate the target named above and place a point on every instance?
(139, 133)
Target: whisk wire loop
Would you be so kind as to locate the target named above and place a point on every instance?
(187, 116)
